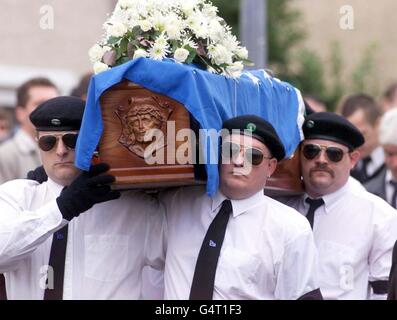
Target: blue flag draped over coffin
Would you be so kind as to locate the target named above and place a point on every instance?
(210, 98)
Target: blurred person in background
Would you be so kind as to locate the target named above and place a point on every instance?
(315, 103)
(6, 125)
(389, 98)
(20, 154)
(385, 184)
(363, 112)
(80, 91)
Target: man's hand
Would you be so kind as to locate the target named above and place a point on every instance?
(38, 175)
(86, 190)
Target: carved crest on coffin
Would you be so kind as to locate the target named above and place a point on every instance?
(141, 115)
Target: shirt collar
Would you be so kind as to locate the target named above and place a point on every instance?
(54, 187)
(389, 177)
(239, 206)
(330, 199)
(377, 157)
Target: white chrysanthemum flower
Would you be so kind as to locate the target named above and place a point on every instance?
(125, 4)
(117, 30)
(132, 19)
(192, 22)
(178, 22)
(230, 42)
(158, 52)
(202, 32)
(181, 54)
(100, 67)
(220, 55)
(173, 32)
(174, 27)
(95, 53)
(162, 41)
(145, 25)
(189, 42)
(209, 10)
(141, 9)
(234, 70)
(159, 21)
(120, 16)
(187, 6)
(216, 30)
(242, 53)
(140, 53)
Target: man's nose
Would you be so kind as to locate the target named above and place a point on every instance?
(61, 149)
(238, 159)
(322, 157)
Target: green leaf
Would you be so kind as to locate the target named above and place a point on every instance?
(124, 60)
(119, 53)
(248, 63)
(190, 58)
(136, 31)
(113, 40)
(124, 45)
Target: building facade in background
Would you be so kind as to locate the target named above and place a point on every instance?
(28, 49)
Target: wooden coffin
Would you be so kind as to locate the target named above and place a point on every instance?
(129, 111)
(286, 180)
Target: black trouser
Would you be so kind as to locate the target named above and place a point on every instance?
(3, 295)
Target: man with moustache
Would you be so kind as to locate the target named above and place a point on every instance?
(354, 230)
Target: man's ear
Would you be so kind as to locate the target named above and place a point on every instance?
(272, 166)
(20, 114)
(354, 158)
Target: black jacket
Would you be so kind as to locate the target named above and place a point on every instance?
(377, 185)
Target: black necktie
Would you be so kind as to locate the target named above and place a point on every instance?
(314, 205)
(57, 262)
(204, 273)
(394, 197)
(364, 172)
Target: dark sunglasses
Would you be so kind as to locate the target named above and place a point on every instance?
(311, 151)
(46, 143)
(231, 150)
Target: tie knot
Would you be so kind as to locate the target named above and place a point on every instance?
(366, 160)
(315, 203)
(226, 206)
(393, 183)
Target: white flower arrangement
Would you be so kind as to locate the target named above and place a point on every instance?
(188, 31)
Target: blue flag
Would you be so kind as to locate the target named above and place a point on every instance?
(210, 98)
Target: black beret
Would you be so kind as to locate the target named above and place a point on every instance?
(260, 130)
(333, 127)
(58, 114)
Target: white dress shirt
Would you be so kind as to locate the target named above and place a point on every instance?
(377, 160)
(107, 246)
(354, 233)
(268, 251)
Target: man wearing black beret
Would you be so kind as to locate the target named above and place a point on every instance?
(239, 244)
(69, 238)
(353, 229)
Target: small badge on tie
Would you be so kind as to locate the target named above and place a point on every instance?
(212, 244)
